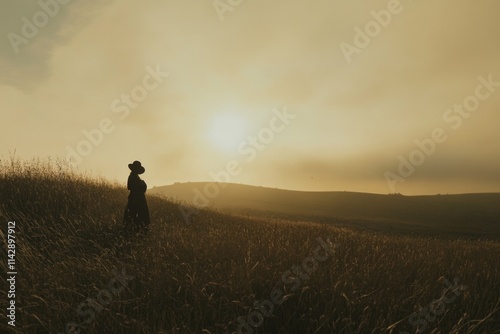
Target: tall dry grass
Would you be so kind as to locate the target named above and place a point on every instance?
(199, 278)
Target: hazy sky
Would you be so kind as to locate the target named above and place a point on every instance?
(181, 85)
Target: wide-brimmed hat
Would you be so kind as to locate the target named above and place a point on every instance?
(136, 166)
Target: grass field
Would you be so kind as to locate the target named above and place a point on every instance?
(77, 263)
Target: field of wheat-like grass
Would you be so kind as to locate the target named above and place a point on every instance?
(78, 264)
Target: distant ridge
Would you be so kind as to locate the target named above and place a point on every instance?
(468, 211)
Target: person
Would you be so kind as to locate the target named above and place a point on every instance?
(137, 211)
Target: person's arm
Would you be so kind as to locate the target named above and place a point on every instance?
(129, 182)
(134, 183)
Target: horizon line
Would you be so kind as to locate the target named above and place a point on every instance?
(330, 191)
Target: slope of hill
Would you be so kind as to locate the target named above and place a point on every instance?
(80, 271)
(477, 214)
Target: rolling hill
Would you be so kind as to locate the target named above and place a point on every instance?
(464, 214)
(81, 270)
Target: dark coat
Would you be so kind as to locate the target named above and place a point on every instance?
(137, 210)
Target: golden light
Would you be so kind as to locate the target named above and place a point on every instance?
(227, 131)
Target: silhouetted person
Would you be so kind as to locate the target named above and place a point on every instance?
(137, 211)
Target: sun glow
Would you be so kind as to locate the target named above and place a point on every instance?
(227, 131)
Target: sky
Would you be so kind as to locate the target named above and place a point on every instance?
(368, 96)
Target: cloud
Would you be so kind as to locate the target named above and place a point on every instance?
(353, 122)
(32, 30)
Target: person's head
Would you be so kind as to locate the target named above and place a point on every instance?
(136, 167)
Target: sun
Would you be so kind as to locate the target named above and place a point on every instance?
(227, 131)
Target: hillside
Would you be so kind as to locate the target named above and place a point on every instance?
(78, 267)
(467, 214)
